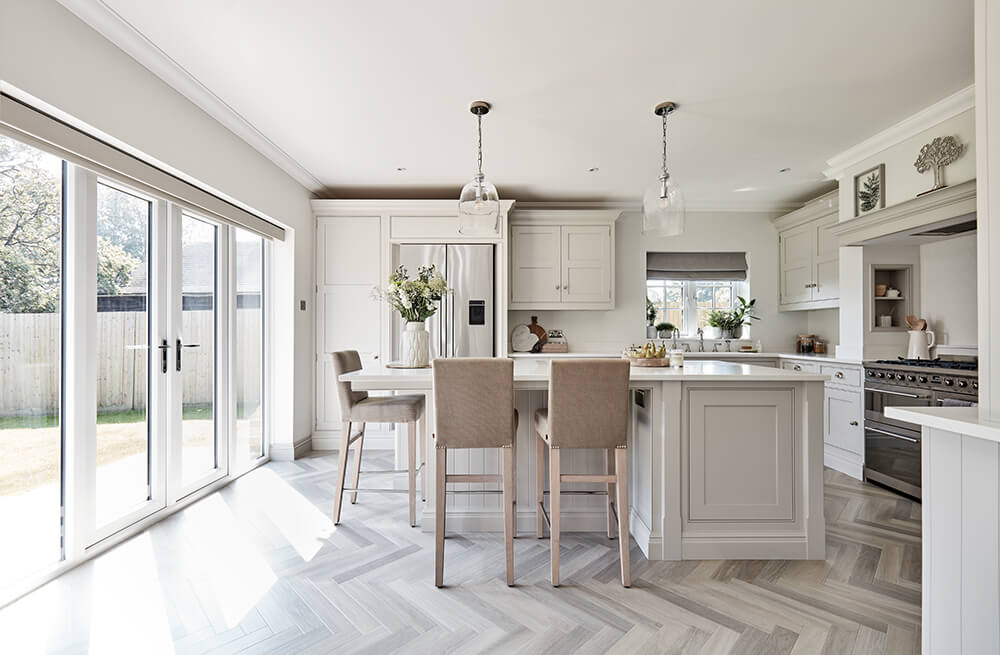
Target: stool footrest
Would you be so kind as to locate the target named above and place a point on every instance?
(473, 477)
(569, 477)
(378, 491)
(577, 492)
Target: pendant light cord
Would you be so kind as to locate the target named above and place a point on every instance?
(479, 122)
(664, 117)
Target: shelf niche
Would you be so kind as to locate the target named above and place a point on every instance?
(895, 276)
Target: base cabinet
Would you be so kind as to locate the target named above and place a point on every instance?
(843, 422)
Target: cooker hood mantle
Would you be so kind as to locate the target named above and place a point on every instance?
(942, 214)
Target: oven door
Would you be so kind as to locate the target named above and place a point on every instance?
(892, 457)
(877, 398)
(948, 399)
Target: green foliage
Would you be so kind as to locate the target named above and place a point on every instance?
(650, 311)
(665, 327)
(415, 300)
(744, 312)
(30, 218)
(869, 193)
(31, 225)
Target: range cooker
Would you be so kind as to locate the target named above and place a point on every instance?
(892, 447)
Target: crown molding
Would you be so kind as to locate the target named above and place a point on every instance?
(925, 119)
(376, 207)
(824, 205)
(113, 26)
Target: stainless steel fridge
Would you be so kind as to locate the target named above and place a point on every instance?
(464, 325)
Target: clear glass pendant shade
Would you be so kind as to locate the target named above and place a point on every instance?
(663, 209)
(479, 208)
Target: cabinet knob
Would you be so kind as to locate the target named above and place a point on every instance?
(839, 375)
(375, 357)
(797, 368)
(558, 287)
(854, 423)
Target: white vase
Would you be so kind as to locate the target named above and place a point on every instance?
(414, 345)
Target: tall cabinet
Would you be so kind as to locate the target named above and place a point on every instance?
(808, 256)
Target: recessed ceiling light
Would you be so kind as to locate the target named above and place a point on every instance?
(744, 189)
(401, 169)
(784, 170)
(593, 169)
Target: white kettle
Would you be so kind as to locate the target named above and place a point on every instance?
(921, 341)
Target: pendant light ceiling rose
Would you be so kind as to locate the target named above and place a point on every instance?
(480, 107)
(665, 108)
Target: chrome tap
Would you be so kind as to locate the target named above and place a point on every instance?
(701, 340)
(729, 347)
(675, 335)
(715, 347)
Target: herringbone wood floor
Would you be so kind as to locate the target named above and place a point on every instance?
(258, 568)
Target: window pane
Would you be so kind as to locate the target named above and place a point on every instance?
(123, 223)
(249, 331)
(703, 296)
(724, 296)
(30, 366)
(198, 314)
(673, 296)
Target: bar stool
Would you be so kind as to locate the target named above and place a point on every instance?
(588, 408)
(357, 407)
(474, 408)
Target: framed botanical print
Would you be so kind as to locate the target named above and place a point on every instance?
(869, 190)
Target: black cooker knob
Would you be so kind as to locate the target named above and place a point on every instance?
(911, 378)
(962, 384)
(975, 385)
(922, 379)
(948, 382)
(878, 375)
(871, 373)
(899, 376)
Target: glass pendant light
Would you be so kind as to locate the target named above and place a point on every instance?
(663, 202)
(479, 202)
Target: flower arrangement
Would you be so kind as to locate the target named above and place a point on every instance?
(415, 300)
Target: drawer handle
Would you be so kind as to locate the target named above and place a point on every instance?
(854, 422)
(839, 375)
(797, 367)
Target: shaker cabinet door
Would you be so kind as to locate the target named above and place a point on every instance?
(827, 267)
(586, 263)
(536, 274)
(796, 264)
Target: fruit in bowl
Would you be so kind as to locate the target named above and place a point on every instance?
(649, 351)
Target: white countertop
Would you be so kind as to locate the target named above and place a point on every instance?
(528, 373)
(828, 359)
(961, 420)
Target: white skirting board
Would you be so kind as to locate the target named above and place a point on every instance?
(330, 440)
(843, 461)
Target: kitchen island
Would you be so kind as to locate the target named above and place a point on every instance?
(726, 460)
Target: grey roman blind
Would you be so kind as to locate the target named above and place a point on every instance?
(696, 266)
(49, 133)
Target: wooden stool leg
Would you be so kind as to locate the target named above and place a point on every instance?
(554, 488)
(338, 494)
(357, 464)
(441, 462)
(411, 471)
(624, 540)
(508, 510)
(539, 484)
(609, 462)
(513, 490)
(423, 456)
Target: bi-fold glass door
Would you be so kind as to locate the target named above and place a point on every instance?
(160, 429)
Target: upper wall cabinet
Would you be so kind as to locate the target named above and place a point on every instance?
(562, 259)
(808, 256)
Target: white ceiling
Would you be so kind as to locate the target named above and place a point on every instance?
(353, 90)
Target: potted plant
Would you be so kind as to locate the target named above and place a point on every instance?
(716, 321)
(650, 319)
(664, 330)
(416, 301)
(742, 314)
